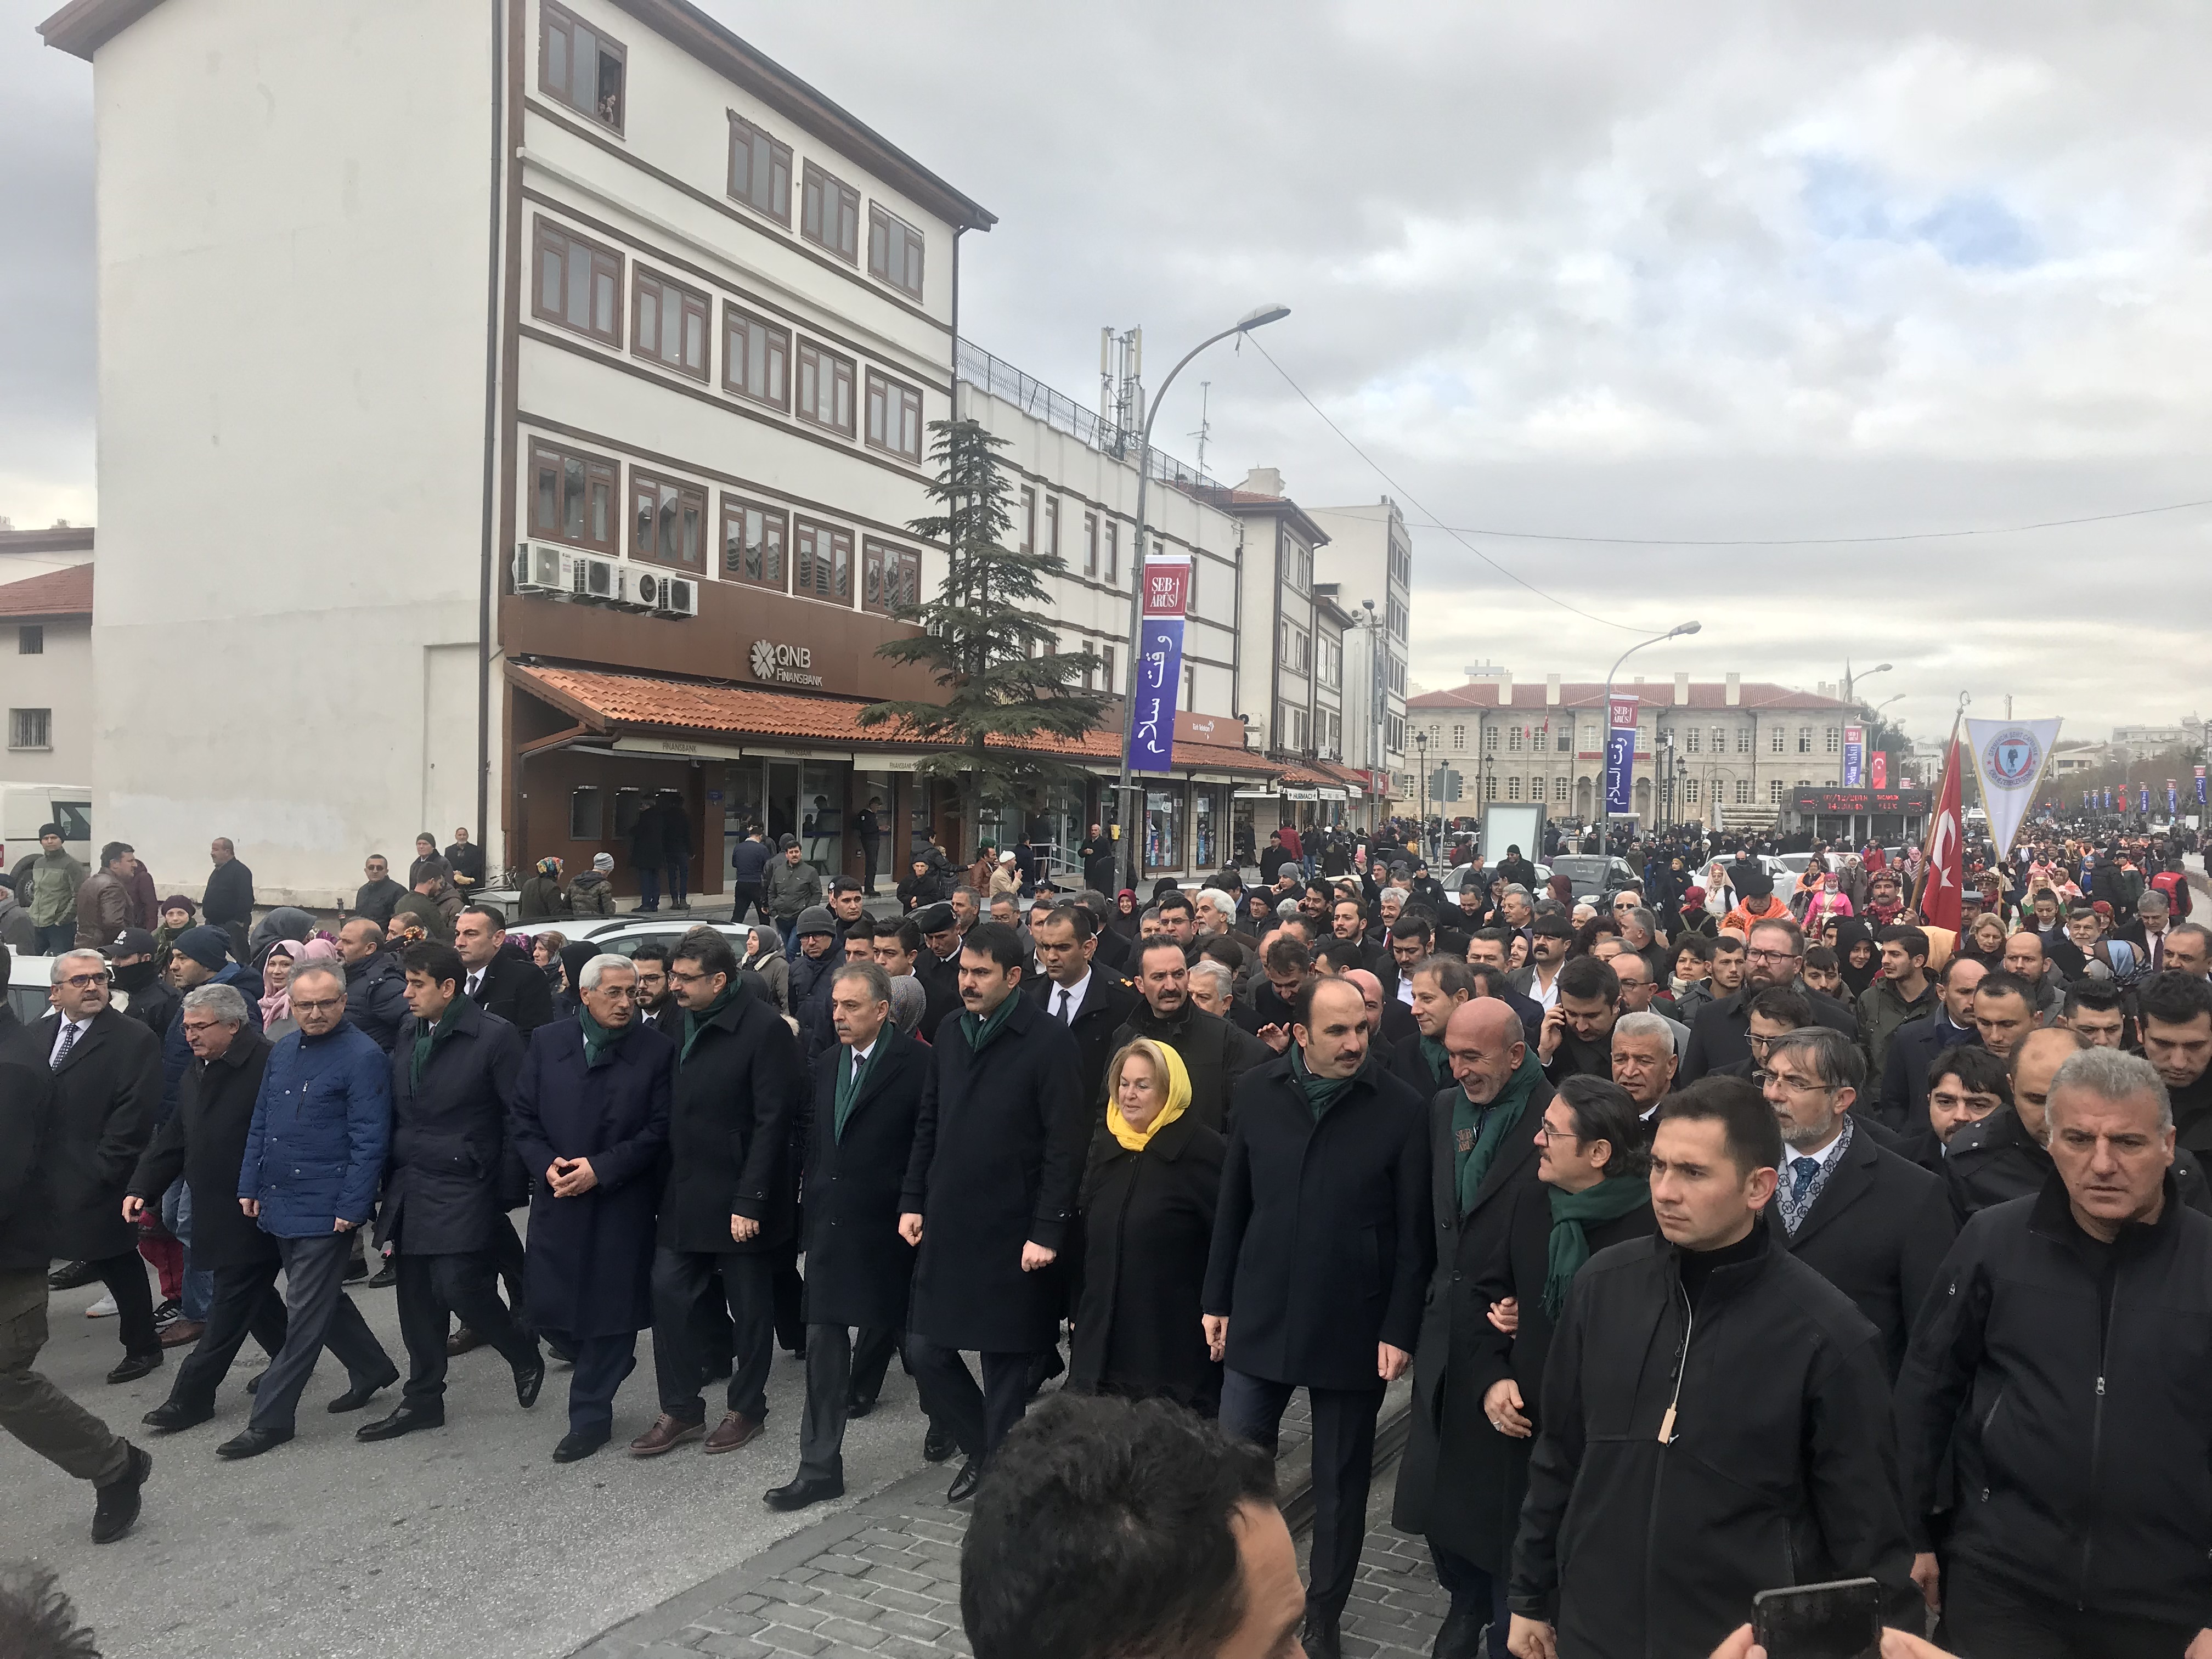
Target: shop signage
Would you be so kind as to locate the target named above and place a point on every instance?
(1299, 794)
(1838, 803)
(1333, 794)
(677, 746)
(1209, 728)
(1159, 662)
(784, 665)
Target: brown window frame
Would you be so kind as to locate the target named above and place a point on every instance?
(647, 550)
(559, 20)
(807, 558)
(816, 184)
(693, 303)
(904, 566)
(882, 223)
(884, 390)
(773, 521)
(595, 470)
(754, 137)
(736, 362)
(545, 234)
(821, 355)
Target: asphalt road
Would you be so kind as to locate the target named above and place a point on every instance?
(465, 1539)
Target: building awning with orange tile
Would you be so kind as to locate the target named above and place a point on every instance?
(615, 705)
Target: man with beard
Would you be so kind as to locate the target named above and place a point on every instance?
(1721, 1036)
(1215, 1052)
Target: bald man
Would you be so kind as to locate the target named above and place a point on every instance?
(1482, 1152)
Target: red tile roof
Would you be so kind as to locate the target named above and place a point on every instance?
(604, 701)
(57, 593)
(1652, 693)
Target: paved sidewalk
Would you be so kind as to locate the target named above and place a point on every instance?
(883, 1578)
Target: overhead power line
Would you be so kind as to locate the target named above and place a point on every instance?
(1808, 541)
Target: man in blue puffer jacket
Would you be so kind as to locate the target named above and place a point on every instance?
(322, 1124)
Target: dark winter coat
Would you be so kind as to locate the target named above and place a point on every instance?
(26, 1129)
(204, 1140)
(590, 1267)
(443, 1187)
(374, 900)
(1451, 1443)
(321, 1130)
(748, 861)
(998, 1161)
(515, 988)
(736, 1095)
(1139, 1267)
(1411, 1067)
(647, 851)
(1721, 1034)
(1483, 1475)
(1098, 1019)
(1216, 1053)
(2068, 1381)
(859, 1270)
(1877, 1232)
(376, 998)
(228, 898)
(1997, 1160)
(1882, 1012)
(1903, 1104)
(541, 899)
(1321, 1246)
(106, 1100)
(177, 1054)
(1780, 1468)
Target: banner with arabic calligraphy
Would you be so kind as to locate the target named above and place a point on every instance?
(1159, 662)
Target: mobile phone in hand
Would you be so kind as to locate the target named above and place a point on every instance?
(1838, 1620)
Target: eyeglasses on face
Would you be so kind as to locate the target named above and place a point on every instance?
(1547, 1134)
(84, 982)
(321, 1006)
(1772, 956)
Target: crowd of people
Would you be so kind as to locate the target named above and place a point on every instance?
(1730, 1238)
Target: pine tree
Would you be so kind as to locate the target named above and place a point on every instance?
(978, 636)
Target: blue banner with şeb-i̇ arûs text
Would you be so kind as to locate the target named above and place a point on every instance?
(1159, 675)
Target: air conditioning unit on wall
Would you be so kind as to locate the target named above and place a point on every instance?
(541, 569)
(665, 595)
(590, 577)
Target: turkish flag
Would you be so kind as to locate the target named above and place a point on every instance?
(1944, 866)
(1881, 769)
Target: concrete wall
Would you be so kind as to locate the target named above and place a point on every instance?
(58, 679)
(293, 243)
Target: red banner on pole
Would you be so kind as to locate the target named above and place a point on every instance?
(1879, 762)
(1944, 868)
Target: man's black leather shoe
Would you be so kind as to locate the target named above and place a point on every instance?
(353, 1399)
(173, 1414)
(528, 1379)
(574, 1447)
(252, 1443)
(136, 1365)
(964, 1483)
(116, 1505)
(405, 1421)
(800, 1493)
(936, 1445)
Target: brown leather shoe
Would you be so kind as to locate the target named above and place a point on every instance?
(732, 1432)
(462, 1341)
(182, 1333)
(665, 1435)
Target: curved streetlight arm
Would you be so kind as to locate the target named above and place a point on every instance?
(1122, 792)
(1605, 806)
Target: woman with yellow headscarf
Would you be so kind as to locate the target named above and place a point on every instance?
(1147, 1222)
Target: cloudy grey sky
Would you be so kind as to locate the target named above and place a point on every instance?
(1701, 272)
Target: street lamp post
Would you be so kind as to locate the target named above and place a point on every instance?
(1123, 791)
(1850, 680)
(1421, 749)
(1605, 713)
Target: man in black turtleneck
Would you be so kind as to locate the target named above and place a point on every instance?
(1717, 1414)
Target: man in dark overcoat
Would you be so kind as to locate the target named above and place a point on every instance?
(590, 1120)
(1322, 1249)
(867, 1092)
(204, 1139)
(990, 1192)
(107, 1095)
(453, 1072)
(1482, 1160)
(1077, 993)
(727, 1204)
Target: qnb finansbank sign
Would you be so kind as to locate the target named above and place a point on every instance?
(784, 665)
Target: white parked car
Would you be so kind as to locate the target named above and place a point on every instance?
(621, 935)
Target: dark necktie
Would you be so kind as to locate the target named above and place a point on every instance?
(69, 1041)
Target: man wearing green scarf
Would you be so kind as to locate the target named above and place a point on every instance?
(1440, 984)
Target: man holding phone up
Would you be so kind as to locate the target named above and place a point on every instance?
(1715, 1412)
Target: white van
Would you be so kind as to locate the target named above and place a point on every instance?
(26, 808)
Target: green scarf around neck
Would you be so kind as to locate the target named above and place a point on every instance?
(1320, 1092)
(1572, 1216)
(599, 1039)
(1479, 1130)
(427, 1039)
(979, 1032)
(1438, 1060)
(695, 1024)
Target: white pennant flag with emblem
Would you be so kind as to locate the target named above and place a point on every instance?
(2009, 756)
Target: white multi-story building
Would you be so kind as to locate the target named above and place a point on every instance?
(1369, 557)
(1730, 754)
(2141, 743)
(529, 406)
(46, 675)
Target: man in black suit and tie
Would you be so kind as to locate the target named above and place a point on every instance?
(867, 1091)
(1079, 994)
(507, 983)
(1873, 1224)
(107, 1072)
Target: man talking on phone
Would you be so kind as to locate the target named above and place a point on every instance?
(1715, 1412)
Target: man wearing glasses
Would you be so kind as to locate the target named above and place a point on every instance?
(1873, 1224)
(107, 1083)
(1775, 956)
